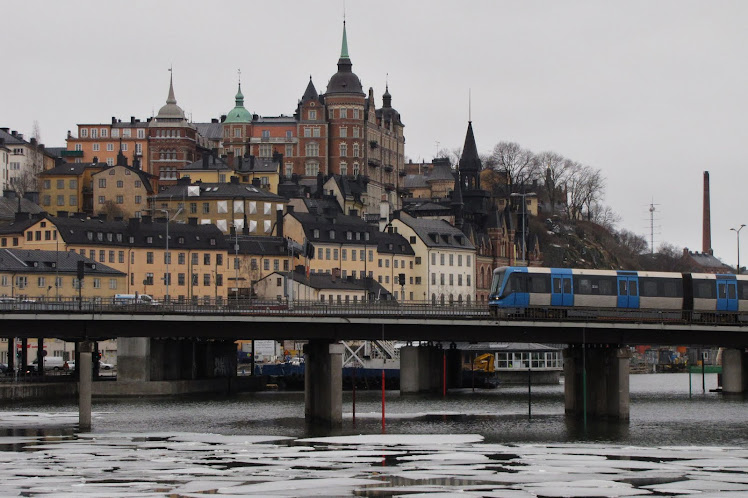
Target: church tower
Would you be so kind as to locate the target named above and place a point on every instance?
(475, 200)
(172, 140)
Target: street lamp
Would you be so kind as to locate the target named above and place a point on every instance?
(524, 220)
(167, 278)
(737, 233)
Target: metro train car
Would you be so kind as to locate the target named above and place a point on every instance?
(600, 294)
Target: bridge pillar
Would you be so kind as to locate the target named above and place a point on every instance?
(454, 368)
(11, 354)
(421, 369)
(734, 371)
(323, 383)
(606, 370)
(84, 366)
(133, 359)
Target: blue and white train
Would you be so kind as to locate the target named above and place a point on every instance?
(599, 294)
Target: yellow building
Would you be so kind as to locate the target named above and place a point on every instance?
(196, 261)
(123, 190)
(67, 187)
(224, 205)
(253, 258)
(262, 172)
(50, 275)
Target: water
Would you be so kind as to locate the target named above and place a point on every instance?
(479, 442)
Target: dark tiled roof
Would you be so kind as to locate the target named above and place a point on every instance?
(211, 131)
(72, 169)
(11, 140)
(214, 163)
(55, 151)
(137, 233)
(17, 226)
(9, 207)
(470, 161)
(27, 260)
(341, 224)
(393, 243)
(260, 245)
(437, 233)
(325, 281)
(220, 191)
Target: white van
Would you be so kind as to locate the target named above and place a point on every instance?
(134, 299)
(50, 363)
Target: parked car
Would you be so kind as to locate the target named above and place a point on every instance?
(3, 368)
(105, 366)
(69, 366)
(50, 363)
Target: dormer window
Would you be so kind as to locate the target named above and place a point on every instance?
(315, 233)
(119, 237)
(349, 235)
(212, 242)
(132, 240)
(180, 240)
(100, 236)
(389, 246)
(149, 240)
(332, 234)
(109, 237)
(89, 235)
(366, 235)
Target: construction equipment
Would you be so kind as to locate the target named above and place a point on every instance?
(484, 363)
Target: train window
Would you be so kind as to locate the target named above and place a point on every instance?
(623, 288)
(556, 285)
(743, 294)
(606, 287)
(585, 286)
(498, 278)
(517, 282)
(704, 289)
(649, 288)
(670, 289)
(538, 284)
(731, 292)
(633, 288)
(721, 291)
(567, 286)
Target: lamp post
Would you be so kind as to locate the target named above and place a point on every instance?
(167, 277)
(737, 233)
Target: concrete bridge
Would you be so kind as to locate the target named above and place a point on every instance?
(596, 363)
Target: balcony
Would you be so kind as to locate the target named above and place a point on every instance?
(374, 163)
(71, 153)
(389, 187)
(388, 168)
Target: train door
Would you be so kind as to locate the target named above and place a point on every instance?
(628, 291)
(561, 289)
(727, 295)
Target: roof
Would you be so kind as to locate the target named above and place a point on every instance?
(392, 243)
(138, 233)
(345, 81)
(333, 221)
(213, 162)
(706, 260)
(18, 226)
(71, 169)
(199, 190)
(437, 233)
(36, 261)
(505, 346)
(310, 93)
(12, 140)
(260, 245)
(211, 131)
(9, 207)
(55, 151)
(470, 161)
(239, 114)
(349, 187)
(171, 111)
(325, 281)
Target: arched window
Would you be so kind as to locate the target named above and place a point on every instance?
(343, 150)
(355, 150)
(441, 299)
(451, 299)
(467, 299)
(459, 298)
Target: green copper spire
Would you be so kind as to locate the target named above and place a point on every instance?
(344, 49)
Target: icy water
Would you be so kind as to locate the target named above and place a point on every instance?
(471, 444)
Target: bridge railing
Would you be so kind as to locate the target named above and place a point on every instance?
(383, 308)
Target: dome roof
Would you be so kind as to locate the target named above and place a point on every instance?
(239, 114)
(171, 110)
(345, 80)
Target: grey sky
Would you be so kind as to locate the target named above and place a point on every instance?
(652, 93)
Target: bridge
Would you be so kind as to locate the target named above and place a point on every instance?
(595, 345)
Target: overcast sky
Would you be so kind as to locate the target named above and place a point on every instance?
(652, 92)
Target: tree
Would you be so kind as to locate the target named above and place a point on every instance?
(24, 183)
(593, 188)
(517, 163)
(636, 244)
(111, 210)
(604, 216)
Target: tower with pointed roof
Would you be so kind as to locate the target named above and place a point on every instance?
(172, 140)
(475, 199)
(237, 127)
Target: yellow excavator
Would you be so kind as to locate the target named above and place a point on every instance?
(484, 363)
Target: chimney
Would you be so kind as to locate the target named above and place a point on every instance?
(706, 236)
(133, 224)
(335, 274)
(114, 120)
(62, 214)
(206, 158)
(279, 223)
(132, 119)
(214, 120)
(256, 183)
(234, 180)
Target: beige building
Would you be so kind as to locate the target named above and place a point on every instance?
(195, 267)
(50, 275)
(122, 190)
(322, 287)
(444, 267)
(225, 205)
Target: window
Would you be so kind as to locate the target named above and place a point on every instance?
(344, 169)
(451, 260)
(343, 132)
(356, 115)
(73, 200)
(266, 265)
(138, 199)
(194, 259)
(120, 199)
(40, 282)
(181, 258)
(121, 256)
(102, 182)
(149, 257)
(356, 150)
(97, 283)
(110, 147)
(266, 150)
(312, 149)
(315, 131)
(206, 279)
(343, 113)
(343, 150)
(206, 259)
(141, 133)
(312, 168)
(148, 279)
(180, 279)
(312, 115)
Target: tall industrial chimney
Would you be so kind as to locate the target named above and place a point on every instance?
(706, 236)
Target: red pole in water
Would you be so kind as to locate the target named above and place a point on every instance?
(444, 375)
(383, 426)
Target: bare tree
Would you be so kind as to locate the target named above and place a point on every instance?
(452, 154)
(553, 167)
(636, 244)
(517, 163)
(593, 188)
(604, 216)
(111, 210)
(574, 185)
(22, 184)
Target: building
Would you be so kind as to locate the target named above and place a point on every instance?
(68, 187)
(101, 142)
(193, 268)
(224, 205)
(12, 205)
(255, 257)
(122, 191)
(444, 259)
(172, 141)
(323, 287)
(21, 161)
(47, 275)
(259, 171)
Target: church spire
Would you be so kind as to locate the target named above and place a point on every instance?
(171, 99)
(344, 48)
